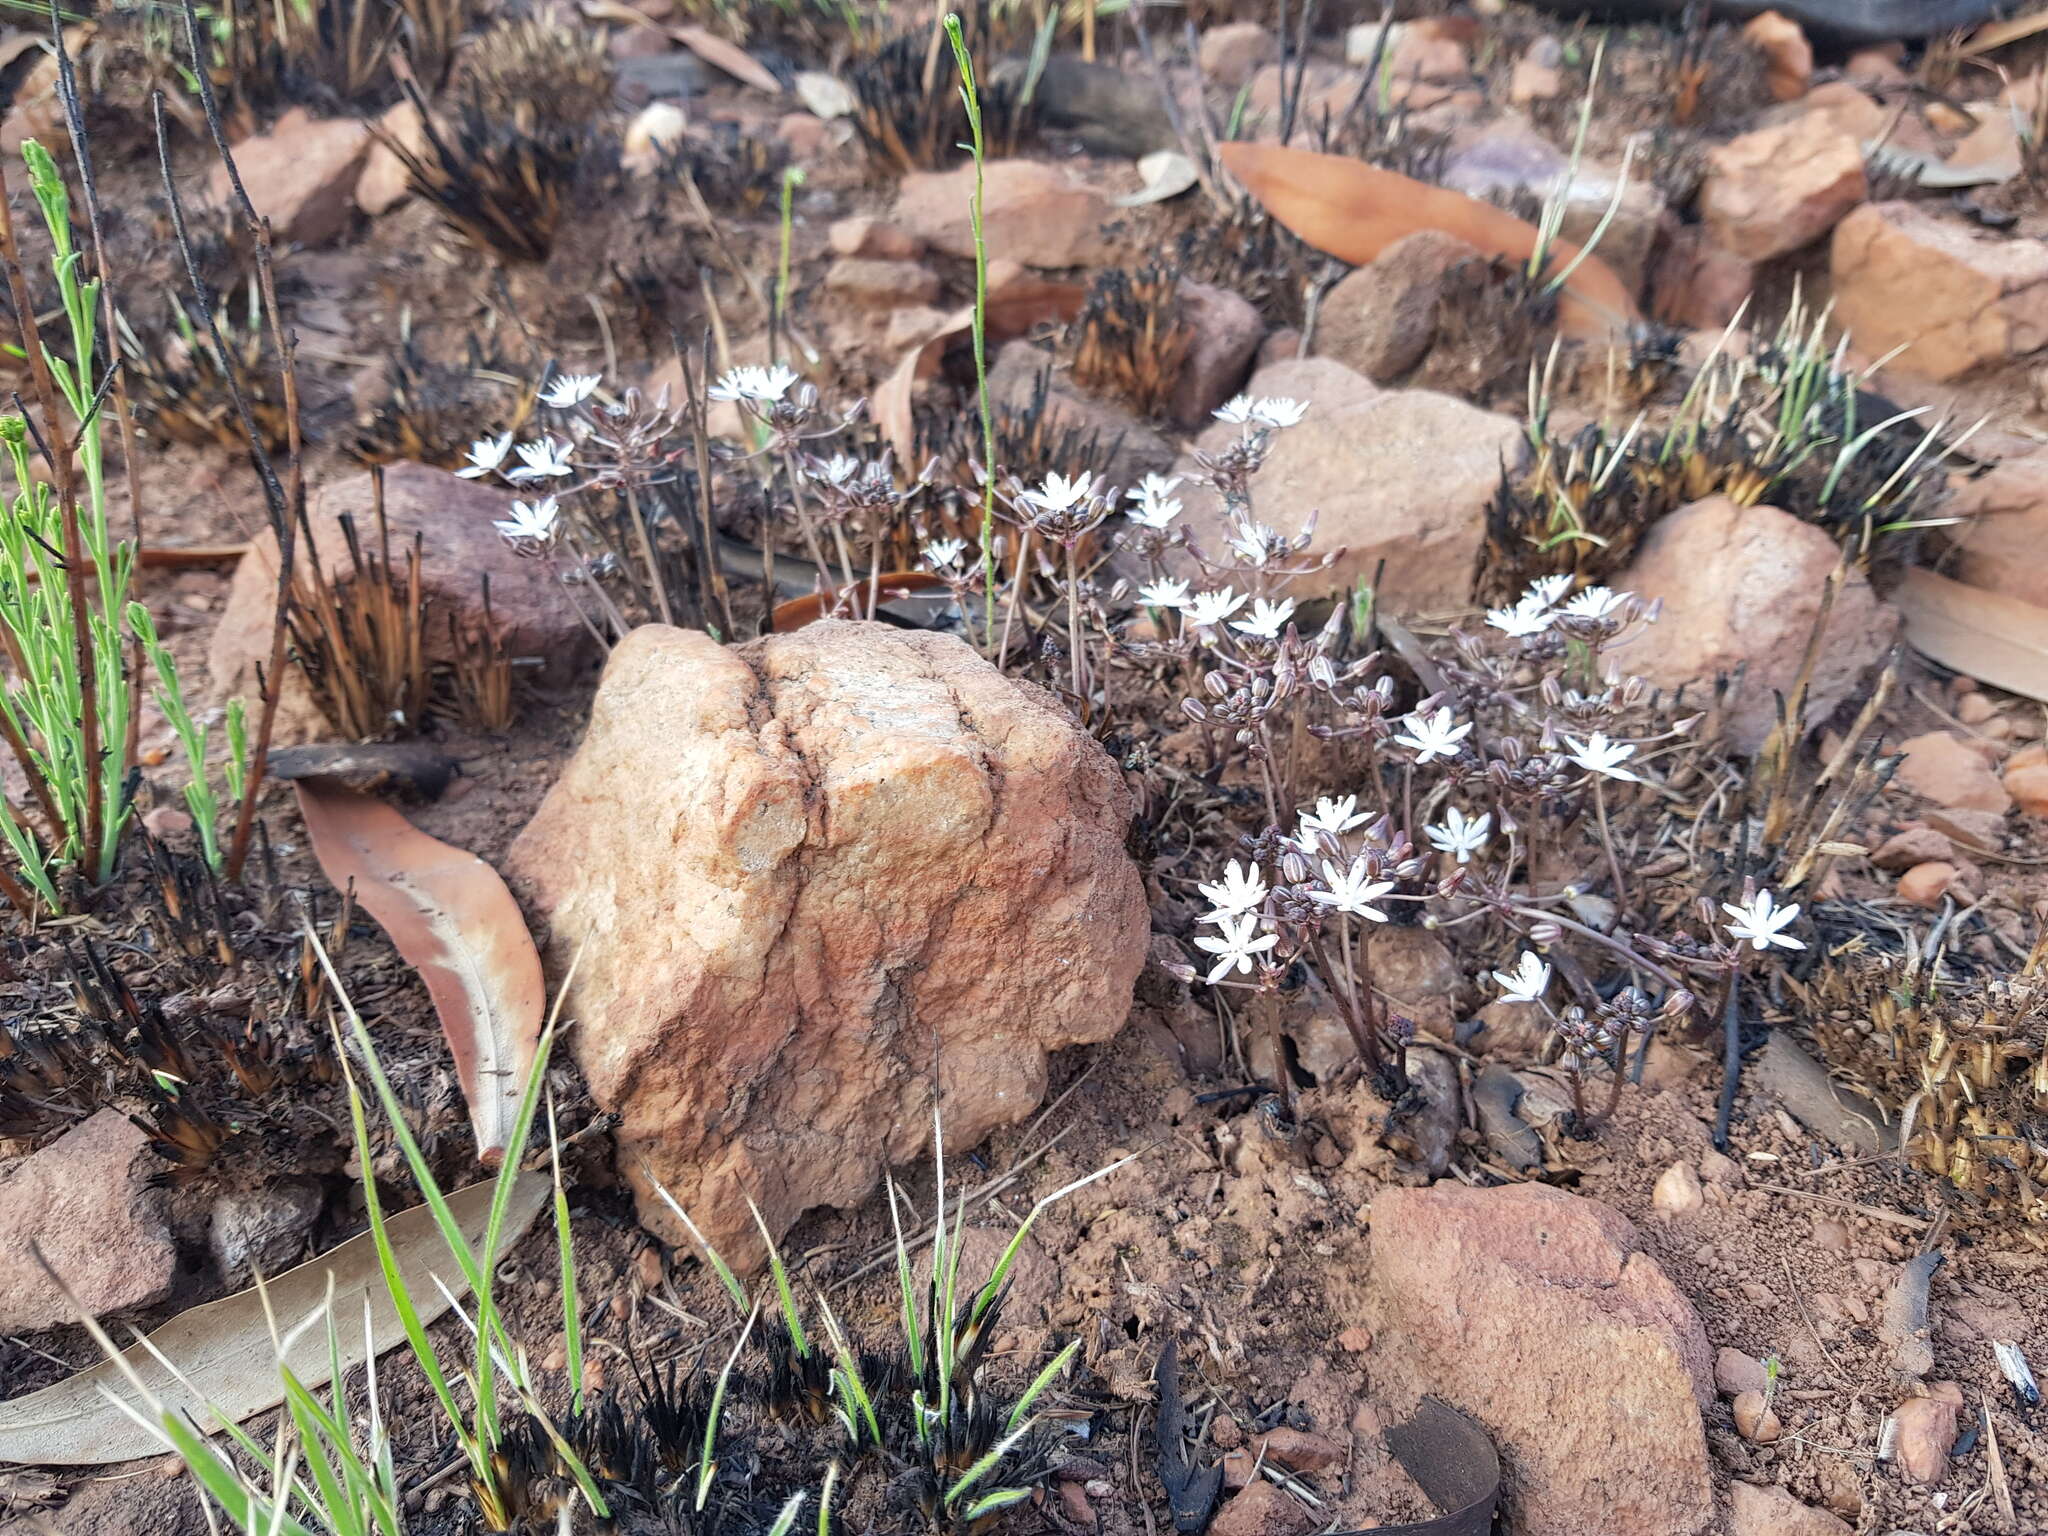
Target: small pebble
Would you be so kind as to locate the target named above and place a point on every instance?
(1755, 1419)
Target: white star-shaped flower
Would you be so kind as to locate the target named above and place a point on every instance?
(1595, 603)
(485, 455)
(1266, 619)
(530, 520)
(1237, 411)
(1166, 593)
(1205, 610)
(762, 386)
(838, 470)
(544, 459)
(1459, 834)
(1759, 922)
(1334, 816)
(1546, 590)
(1156, 506)
(1255, 543)
(1279, 411)
(1596, 754)
(1526, 982)
(1434, 736)
(570, 389)
(1525, 618)
(1235, 946)
(1352, 890)
(1242, 888)
(1059, 494)
(943, 554)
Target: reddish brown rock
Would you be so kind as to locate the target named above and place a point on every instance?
(1914, 845)
(1754, 1511)
(1743, 584)
(1778, 189)
(1262, 1510)
(1953, 295)
(86, 1202)
(1032, 212)
(2026, 780)
(1537, 1312)
(1400, 476)
(1677, 1191)
(301, 175)
(1942, 767)
(1231, 54)
(1927, 1430)
(1999, 543)
(453, 519)
(1790, 56)
(1736, 1373)
(877, 284)
(383, 183)
(1754, 1417)
(866, 236)
(798, 868)
(1925, 884)
(1696, 284)
(1381, 319)
(1224, 335)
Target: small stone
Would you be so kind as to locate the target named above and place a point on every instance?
(301, 175)
(385, 182)
(874, 284)
(1355, 1340)
(804, 133)
(1678, 1191)
(1790, 55)
(1778, 189)
(1262, 1509)
(648, 1269)
(1299, 1451)
(1942, 767)
(1736, 1373)
(1910, 846)
(1925, 884)
(1975, 707)
(1926, 1433)
(1755, 1419)
(86, 1200)
(1233, 53)
(867, 236)
(1075, 1506)
(1754, 1511)
(1381, 319)
(1225, 330)
(263, 1231)
(167, 822)
(1533, 81)
(1698, 285)
(2026, 780)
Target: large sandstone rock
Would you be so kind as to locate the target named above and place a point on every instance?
(1032, 213)
(1743, 584)
(301, 175)
(459, 547)
(1537, 1312)
(1781, 188)
(85, 1200)
(2001, 544)
(1953, 295)
(1755, 1511)
(1224, 336)
(800, 870)
(1402, 476)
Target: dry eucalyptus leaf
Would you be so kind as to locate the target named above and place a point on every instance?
(1354, 211)
(1986, 635)
(730, 57)
(1167, 173)
(453, 921)
(224, 1349)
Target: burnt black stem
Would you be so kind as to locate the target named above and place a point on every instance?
(1731, 1059)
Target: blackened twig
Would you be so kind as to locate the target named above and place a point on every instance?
(1731, 1059)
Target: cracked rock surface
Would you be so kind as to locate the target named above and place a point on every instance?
(791, 868)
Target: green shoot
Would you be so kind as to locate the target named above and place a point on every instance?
(970, 96)
(707, 1463)
(790, 1317)
(572, 1317)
